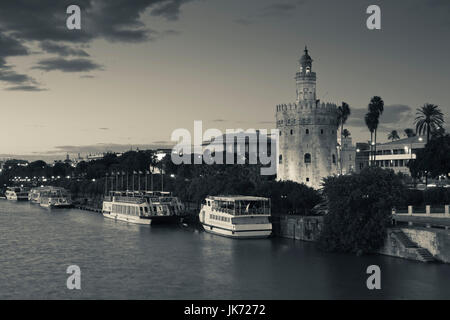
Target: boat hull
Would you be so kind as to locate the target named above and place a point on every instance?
(237, 234)
(127, 218)
(17, 198)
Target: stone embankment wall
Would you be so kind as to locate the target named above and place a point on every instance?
(414, 243)
(306, 228)
(436, 241)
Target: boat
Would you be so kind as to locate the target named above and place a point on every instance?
(34, 195)
(55, 197)
(16, 193)
(142, 207)
(240, 217)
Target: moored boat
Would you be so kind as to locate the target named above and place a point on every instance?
(142, 207)
(236, 216)
(55, 197)
(16, 193)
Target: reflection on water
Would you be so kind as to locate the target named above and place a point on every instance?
(127, 261)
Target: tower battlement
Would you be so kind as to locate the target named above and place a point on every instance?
(307, 106)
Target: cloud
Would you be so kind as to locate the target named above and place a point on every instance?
(107, 147)
(44, 22)
(274, 10)
(65, 65)
(26, 88)
(62, 50)
(392, 116)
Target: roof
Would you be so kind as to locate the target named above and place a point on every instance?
(406, 141)
(237, 198)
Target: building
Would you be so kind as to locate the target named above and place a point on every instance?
(393, 155)
(348, 154)
(308, 132)
(396, 154)
(362, 156)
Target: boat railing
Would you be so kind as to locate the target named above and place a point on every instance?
(129, 199)
(242, 211)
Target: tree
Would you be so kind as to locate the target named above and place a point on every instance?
(359, 209)
(393, 135)
(409, 132)
(376, 106)
(346, 133)
(428, 118)
(433, 160)
(371, 123)
(343, 114)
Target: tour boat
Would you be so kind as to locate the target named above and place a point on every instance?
(55, 197)
(236, 216)
(142, 207)
(16, 193)
(34, 195)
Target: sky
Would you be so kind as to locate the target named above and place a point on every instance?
(139, 69)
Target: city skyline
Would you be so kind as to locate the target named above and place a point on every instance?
(135, 73)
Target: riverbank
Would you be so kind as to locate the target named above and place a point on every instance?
(407, 242)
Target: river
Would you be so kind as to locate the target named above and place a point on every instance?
(126, 261)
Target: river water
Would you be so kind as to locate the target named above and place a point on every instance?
(126, 261)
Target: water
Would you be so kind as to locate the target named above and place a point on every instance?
(125, 261)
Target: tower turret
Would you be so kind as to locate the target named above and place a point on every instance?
(306, 79)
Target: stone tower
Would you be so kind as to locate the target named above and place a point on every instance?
(308, 132)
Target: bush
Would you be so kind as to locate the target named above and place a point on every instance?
(359, 209)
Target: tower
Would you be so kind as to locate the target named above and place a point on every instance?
(308, 132)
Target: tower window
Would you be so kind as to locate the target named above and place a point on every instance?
(281, 159)
(280, 132)
(307, 158)
(307, 179)
(307, 131)
(334, 159)
(292, 132)
(321, 131)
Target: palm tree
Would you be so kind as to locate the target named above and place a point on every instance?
(393, 135)
(372, 123)
(346, 133)
(376, 106)
(343, 113)
(409, 132)
(428, 118)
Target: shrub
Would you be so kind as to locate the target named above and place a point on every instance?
(359, 209)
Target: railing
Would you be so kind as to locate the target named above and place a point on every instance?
(242, 212)
(442, 211)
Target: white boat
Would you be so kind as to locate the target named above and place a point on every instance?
(16, 193)
(236, 216)
(142, 207)
(55, 197)
(35, 194)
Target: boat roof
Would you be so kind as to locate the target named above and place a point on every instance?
(237, 198)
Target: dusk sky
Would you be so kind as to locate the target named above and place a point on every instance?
(137, 70)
